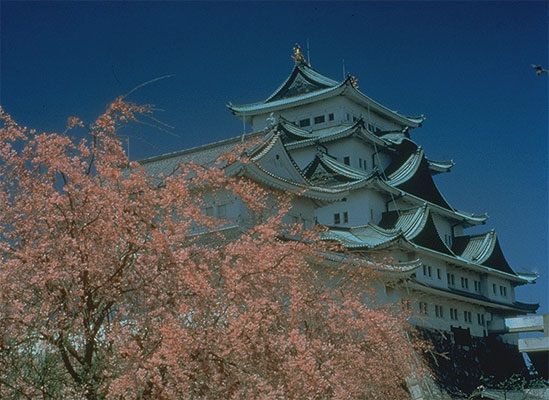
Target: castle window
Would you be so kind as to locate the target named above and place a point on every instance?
(467, 316)
(371, 214)
(464, 283)
(406, 304)
(347, 160)
(454, 314)
(423, 308)
(331, 117)
(305, 122)
(319, 119)
(439, 312)
(348, 117)
(427, 271)
(494, 288)
(439, 274)
(503, 291)
(345, 217)
(451, 279)
(477, 286)
(337, 219)
(480, 319)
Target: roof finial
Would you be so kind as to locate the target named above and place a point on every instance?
(353, 81)
(298, 55)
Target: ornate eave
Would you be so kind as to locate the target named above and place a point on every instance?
(438, 167)
(325, 166)
(356, 179)
(414, 229)
(269, 160)
(415, 226)
(299, 138)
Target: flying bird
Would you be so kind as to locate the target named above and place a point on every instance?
(539, 69)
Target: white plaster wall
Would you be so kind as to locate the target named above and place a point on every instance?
(471, 277)
(358, 205)
(438, 272)
(490, 281)
(295, 114)
(356, 111)
(344, 110)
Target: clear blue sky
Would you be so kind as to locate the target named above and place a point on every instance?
(465, 65)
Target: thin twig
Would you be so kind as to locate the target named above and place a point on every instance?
(146, 83)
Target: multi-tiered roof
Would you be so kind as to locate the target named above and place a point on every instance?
(304, 124)
(406, 181)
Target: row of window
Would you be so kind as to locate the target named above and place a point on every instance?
(428, 271)
(464, 282)
(502, 290)
(338, 218)
(319, 119)
(454, 314)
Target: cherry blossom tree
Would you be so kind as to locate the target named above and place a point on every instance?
(117, 285)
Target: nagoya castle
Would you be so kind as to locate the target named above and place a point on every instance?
(359, 173)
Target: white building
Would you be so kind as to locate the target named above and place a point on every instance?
(360, 174)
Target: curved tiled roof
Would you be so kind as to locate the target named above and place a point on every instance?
(414, 225)
(298, 138)
(417, 228)
(325, 167)
(482, 249)
(303, 79)
(329, 171)
(414, 176)
(305, 85)
(437, 167)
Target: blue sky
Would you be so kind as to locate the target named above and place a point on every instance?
(465, 65)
